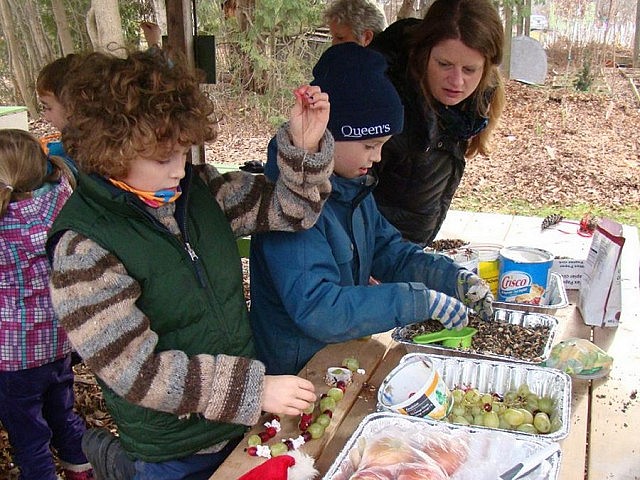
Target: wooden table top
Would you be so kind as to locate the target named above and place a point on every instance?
(605, 414)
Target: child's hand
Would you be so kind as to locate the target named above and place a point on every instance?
(449, 311)
(475, 293)
(309, 117)
(287, 394)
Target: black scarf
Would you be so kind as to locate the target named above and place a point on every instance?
(460, 122)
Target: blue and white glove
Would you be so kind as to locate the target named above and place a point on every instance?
(449, 311)
(475, 293)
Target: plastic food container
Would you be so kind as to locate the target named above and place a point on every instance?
(415, 388)
(516, 317)
(488, 263)
(500, 377)
(491, 452)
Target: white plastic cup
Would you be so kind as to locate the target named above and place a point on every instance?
(416, 388)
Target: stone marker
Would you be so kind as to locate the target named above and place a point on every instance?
(528, 60)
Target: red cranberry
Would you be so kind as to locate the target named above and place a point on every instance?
(252, 451)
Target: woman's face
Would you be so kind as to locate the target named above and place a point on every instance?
(454, 71)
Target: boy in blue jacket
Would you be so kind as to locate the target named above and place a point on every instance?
(312, 288)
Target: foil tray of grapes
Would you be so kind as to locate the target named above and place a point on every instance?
(400, 446)
(494, 394)
(512, 336)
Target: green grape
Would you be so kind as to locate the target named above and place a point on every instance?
(486, 398)
(323, 419)
(546, 404)
(471, 396)
(278, 448)
(528, 416)
(513, 416)
(351, 363)
(253, 440)
(504, 425)
(309, 410)
(491, 420)
(532, 403)
(458, 411)
(327, 403)
(336, 393)
(458, 395)
(523, 390)
(478, 419)
(542, 423)
(526, 428)
(510, 397)
(498, 407)
(556, 424)
(476, 410)
(469, 418)
(316, 430)
(460, 420)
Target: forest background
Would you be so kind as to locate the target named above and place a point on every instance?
(569, 146)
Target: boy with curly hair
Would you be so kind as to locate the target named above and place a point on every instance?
(147, 280)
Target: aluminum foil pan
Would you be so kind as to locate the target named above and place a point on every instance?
(515, 317)
(499, 377)
(555, 297)
(490, 452)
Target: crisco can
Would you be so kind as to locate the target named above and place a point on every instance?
(524, 274)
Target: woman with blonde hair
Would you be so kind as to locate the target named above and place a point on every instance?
(445, 68)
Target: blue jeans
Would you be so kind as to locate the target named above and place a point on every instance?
(195, 467)
(36, 409)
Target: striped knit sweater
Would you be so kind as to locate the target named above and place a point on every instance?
(95, 298)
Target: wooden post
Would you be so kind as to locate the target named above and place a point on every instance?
(180, 28)
(180, 39)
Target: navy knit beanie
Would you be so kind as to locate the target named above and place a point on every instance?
(364, 102)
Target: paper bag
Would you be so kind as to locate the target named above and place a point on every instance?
(600, 296)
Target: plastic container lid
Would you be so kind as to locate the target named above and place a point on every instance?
(487, 252)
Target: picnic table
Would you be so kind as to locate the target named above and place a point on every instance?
(605, 413)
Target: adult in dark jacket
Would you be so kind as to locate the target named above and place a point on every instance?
(445, 68)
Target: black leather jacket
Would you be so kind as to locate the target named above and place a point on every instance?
(421, 167)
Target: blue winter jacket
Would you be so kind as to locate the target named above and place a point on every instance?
(311, 288)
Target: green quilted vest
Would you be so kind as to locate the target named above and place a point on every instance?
(193, 307)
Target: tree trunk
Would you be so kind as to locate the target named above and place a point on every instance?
(21, 76)
(636, 39)
(105, 27)
(42, 46)
(62, 26)
(160, 10)
(508, 26)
